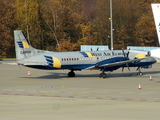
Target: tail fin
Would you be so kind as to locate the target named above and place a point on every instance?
(22, 48)
(156, 14)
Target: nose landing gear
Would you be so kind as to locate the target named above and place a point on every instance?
(139, 73)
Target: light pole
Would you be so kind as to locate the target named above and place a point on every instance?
(111, 24)
(26, 5)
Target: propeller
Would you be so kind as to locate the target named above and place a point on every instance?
(97, 48)
(126, 55)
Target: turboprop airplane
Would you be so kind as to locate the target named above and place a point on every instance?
(156, 13)
(103, 60)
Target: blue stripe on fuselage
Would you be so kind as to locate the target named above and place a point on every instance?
(84, 54)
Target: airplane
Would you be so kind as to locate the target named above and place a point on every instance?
(156, 13)
(102, 60)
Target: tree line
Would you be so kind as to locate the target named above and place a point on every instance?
(64, 25)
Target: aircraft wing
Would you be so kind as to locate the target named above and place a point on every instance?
(26, 64)
(119, 63)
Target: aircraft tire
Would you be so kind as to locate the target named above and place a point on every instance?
(71, 74)
(140, 73)
(103, 75)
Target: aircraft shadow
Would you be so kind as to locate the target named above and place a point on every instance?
(64, 75)
(48, 76)
(134, 74)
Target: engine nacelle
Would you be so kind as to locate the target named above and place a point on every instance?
(137, 54)
(154, 53)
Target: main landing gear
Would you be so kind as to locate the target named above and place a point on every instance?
(71, 74)
(103, 74)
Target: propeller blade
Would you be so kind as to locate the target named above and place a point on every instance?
(97, 48)
(128, 52)
(122, 69)
(126, 55)
(123, 53)
(128, 66)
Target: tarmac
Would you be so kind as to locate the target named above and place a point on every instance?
(51, 95)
